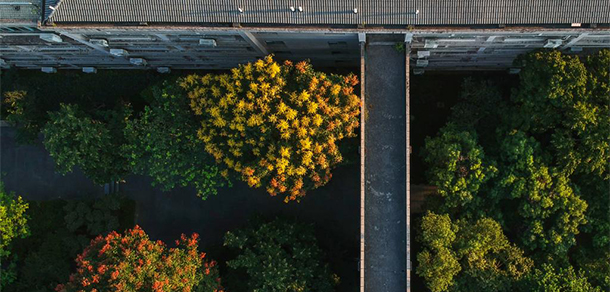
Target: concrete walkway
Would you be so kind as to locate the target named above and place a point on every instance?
(385, 172)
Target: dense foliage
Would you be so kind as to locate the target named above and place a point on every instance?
(280, 256)
(132, 262)
(163, 143)
(94, 217)
(75, 139)
(457, 166)
(276, 126)
(28, 95)
(536, 164)
(46, 257)
(469, 256)
(24, 114)
(13, 225)
(550, 279)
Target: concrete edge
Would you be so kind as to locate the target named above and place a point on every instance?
(408, 163)
(362, 160)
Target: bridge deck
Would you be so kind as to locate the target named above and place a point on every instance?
(385, 166)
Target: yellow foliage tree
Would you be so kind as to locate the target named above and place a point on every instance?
(275, 125)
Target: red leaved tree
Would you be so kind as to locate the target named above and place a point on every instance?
(132, 262)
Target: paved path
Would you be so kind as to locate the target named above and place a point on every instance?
(385, 173)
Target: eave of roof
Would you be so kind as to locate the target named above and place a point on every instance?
(335, 12)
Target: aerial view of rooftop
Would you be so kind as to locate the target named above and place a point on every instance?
(304, 145)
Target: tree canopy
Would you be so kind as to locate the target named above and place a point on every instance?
(75, 139)
(13, 225)
(469, 256)
(280, 256)
(163, 143)
(275, 126)
(536, 164)
(132, 262)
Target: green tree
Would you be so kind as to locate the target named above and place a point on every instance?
(275, 126)
(561, 96)
(457, 166)
(132, 262)
(94, 217)
(468, 256)
(163, 143)
(595, 265)
(438, 262)
(549, 211)
(551, 279)
(13, 225)
(24, 115)
(280, 256)
(75, 139)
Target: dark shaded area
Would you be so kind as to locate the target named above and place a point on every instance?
(104, 89)
(385, 171)
(333, 209)
(30, 171)
(432, 97)
(46, 257)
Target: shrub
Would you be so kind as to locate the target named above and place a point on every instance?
(280, 256)
(132, 262)
(274, 125)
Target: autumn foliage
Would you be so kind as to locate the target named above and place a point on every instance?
(132, 262)
(275, 125)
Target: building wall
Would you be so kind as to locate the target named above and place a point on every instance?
(179, 48)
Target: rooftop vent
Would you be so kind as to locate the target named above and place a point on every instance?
(422, 63)
(429, 44)
(423, 54)
(89, 70)
(137, 61)
(514, 70)
(48, 70)
(99, 42)
(163, 69)
(50, 37)
(552, 44)
(211, 43)
(119, 52)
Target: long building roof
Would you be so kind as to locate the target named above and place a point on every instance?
(335, 12)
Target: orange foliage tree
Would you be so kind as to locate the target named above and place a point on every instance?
(132, 262)
(275, 125)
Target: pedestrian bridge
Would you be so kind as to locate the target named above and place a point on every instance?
(385, 220)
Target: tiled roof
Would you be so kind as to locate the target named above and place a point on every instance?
(329, 12)
(12, 11)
